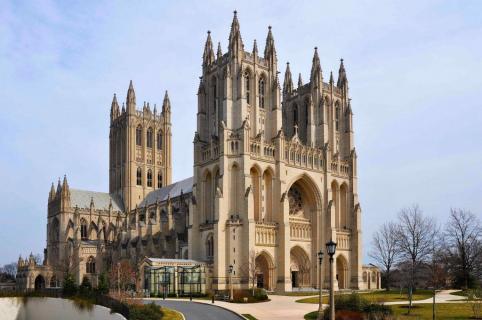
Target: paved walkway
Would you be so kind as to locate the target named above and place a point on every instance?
(443, 296)
(279, 308)
(196, 310)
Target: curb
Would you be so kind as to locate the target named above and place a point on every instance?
(214, 305)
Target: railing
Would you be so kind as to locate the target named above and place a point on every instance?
(343, 239)
(341, 168)
(303, 156)
(266, 234)
(262, 150)
(300, 230)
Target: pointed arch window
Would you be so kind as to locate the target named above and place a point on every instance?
(83, 230)
(139, 136)
(149, 138)
(149, 178)
(337, 117)
(90, 265)
(247, 86)
(307, 111)
(159, 140)
(295, 115)
(261, 93)
(159, 180)
(139, 176)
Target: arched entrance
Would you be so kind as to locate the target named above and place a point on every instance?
(300, 268)
(39, 282)
(264, 271)
(342, 272)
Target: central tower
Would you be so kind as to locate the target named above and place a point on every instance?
(140, 149)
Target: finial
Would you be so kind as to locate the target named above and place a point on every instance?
(209, 31)
(235, 12)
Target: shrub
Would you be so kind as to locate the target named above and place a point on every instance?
(85, 287)
(103, 285)
(69, 288)
(145, 312)
(353, 306)
(259, 295)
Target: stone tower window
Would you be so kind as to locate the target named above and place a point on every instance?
(295, 115)
(139, 136)
(261, 93)
(337, 118)
(139, 176)
(159, 140)
(247, 86)
(83, 230)
(149, 178)
(90, 265)
(149, 138)
(159, 180)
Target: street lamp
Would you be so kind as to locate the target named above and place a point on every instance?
(320, 309)
(231, 281)
(331, 249)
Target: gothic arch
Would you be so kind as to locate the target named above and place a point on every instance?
(208, 198)
(93, 231)
(265, 271)
(310, 189)
(268, 175)
(342, 272)
(300, 267)
(209, 245)
(344, 221)
(255, 174)
(234, 188)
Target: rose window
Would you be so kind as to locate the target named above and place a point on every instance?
(295, 201)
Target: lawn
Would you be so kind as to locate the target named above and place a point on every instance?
(378, 296)
(442, 311)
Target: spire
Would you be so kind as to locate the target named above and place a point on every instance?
(315, 67)
(131, 98)
(166, 104)
(208, 56)
(219, 54)
(114, 108)
(331, 78)
(288, 82)
(235, 41)
(342, 80)
(269, 49)
(65, 187)
(255, 49)
(300, 81)
(52, 192)
(200, 90)
(59, 187)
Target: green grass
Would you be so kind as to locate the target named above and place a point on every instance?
(294, 294)
(378, 296)
(442, 311)
(248, 316)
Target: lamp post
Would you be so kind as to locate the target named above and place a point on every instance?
(231, 296)
(331, 249)
(320, 309)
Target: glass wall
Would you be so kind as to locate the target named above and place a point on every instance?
(174, 281)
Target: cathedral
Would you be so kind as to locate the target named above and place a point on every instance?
(274, 179)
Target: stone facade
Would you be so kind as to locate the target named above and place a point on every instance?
(275, 178)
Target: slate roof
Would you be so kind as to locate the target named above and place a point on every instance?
(82, 198)
(172, 190)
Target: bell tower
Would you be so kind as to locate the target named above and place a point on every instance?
(140, 149)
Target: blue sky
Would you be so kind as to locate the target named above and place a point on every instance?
(414, 69)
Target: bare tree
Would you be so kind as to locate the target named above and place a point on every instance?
(253, 269)
(9, 270)
(385, 250)
(463, 245)
(415, 234)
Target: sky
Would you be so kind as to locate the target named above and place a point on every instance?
(414, 71)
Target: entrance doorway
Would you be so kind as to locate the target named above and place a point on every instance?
(294, 279)
(39, 283)
(259, 280)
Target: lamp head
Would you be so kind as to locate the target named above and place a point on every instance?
(320, 256)
(231, 268)
(331, 248)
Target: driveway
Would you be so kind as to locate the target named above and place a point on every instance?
(196, 310)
